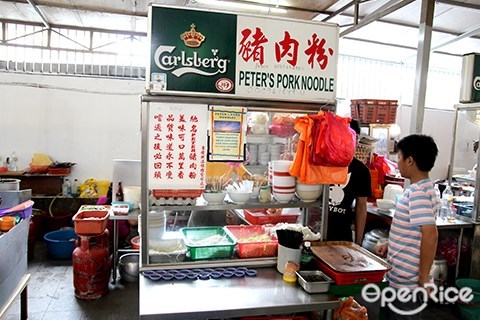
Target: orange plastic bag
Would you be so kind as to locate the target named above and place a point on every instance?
(350, 310)
(303, 169)
(333, 140)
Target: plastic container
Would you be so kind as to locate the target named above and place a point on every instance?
(7, 223)
(133, 194)
(60, 243)
(91, 222)
(260, 216)
(192, 236)
(342, 278)
(253, 249)
(474, 284)
(23, 210)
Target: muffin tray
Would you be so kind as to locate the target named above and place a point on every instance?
(199, 274)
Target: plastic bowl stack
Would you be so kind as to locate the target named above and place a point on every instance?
(283, 184)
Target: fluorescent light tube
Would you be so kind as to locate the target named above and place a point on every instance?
(241, 5)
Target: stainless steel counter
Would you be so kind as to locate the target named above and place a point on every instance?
(263, 294)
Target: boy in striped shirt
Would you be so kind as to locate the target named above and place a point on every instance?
(413, 234)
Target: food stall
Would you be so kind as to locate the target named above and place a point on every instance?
(201, 81)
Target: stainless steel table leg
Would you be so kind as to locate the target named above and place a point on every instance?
(24, 304)
(115, 251)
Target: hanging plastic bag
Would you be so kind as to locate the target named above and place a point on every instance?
(303, 169)
(350, 310)
(333, 140)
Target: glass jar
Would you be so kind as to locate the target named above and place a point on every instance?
(265, 194)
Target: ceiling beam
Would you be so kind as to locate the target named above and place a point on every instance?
(460, 4)
(40, 14)
(384, 10)
(467, 34)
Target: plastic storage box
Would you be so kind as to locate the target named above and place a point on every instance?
(90, 222)
(260, 216)
(202, 242)
(248, 247)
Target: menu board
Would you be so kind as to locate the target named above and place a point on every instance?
(177, 139)
(227, 134)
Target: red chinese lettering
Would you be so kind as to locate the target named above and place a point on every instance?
(158, 117)
(193, 119)
(157, 165)
(181, 128)
(182, 118)
(194, 128)
(316, 51)
(170, 127)
(169, 175)
(181, 136)
(169, 156)
(181, 156)
(180, 165)
(252, 49)
(157, 127)
(157, 146)
(181, 146)
(170, 118)
(157, 137)
(287, 47)
(192, 175)
(157, 156)
(193, 156)
(169, 165)
(169, 146)
(169, 136)
(181, 175)
(193, 166)
(157, 175)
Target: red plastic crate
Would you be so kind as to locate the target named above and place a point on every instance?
(341, 278)
(374, 111)
(253, 249)
(260, 216)
(91, 222)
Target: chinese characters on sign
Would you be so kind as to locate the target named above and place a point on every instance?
(227, 133)
(177, 146)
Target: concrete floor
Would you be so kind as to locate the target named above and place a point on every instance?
(51, 296)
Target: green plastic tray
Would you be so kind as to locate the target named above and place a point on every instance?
(199, 252)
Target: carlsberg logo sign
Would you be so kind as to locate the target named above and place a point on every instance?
(182, 64)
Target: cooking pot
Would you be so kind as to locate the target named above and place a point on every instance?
(440, 270)
(10, 184)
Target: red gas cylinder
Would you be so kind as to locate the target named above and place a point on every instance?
(91, 266)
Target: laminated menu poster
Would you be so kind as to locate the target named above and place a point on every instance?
(227, 134)
(177, 139)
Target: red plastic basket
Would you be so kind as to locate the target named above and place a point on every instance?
(253, 249)
(374, 111)
(90, 222)
(260, 216)
(63, 171)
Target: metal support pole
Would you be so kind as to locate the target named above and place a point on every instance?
(423, 57)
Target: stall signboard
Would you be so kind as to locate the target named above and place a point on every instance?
(177, 139)
(214, 54)
(227, 134)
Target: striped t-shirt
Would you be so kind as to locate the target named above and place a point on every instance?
(415, 208)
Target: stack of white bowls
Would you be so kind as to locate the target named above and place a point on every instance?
(275, 151)
(308, 192)
(283, 184)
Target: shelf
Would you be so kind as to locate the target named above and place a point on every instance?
(253, 204)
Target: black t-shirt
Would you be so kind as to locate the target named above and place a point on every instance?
(341, 214)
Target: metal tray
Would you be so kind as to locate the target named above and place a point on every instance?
(344, 256)
(314, 286)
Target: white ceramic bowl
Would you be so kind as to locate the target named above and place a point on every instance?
(385, 204)
(281, 165)
(309, 187)
(283, 197)
(214, 197)
(283, 181)
(240, 197)
(308, 195)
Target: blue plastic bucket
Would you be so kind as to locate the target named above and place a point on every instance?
(60, 243)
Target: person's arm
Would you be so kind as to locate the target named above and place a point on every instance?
(428, 248)
(360, 218)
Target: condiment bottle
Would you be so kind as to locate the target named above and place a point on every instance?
(265, 194)
(119, 194)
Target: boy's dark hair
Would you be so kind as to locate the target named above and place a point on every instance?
(421, 148)
(355, 125)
